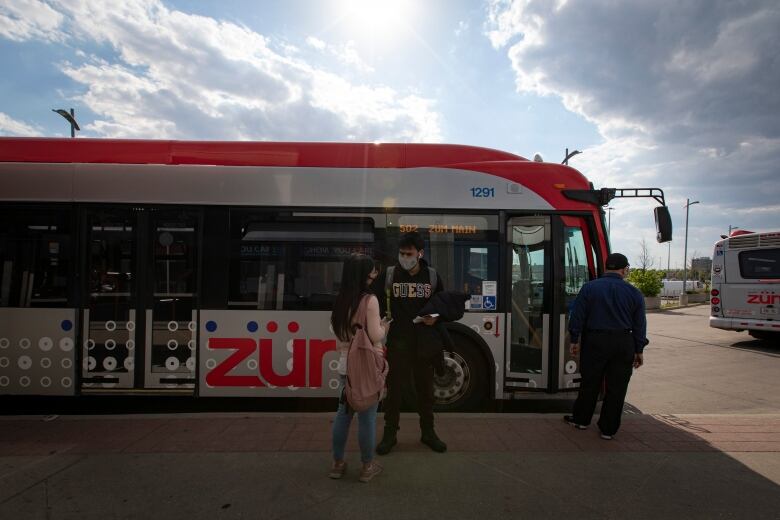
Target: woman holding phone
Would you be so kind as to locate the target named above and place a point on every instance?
(358, 274)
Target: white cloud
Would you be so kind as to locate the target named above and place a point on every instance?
(346, 53)
(22, 20)
(177, 75)
(316, 43)
(11, 127)
(684, 94)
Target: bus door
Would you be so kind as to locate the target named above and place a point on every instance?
(530, 250)
(140, 319)
(579, 267)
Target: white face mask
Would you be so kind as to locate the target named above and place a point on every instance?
(407, 263)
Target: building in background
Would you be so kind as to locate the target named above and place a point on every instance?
(701, 267)
(701, 264)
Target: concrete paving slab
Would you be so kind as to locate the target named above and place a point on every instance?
(413, 485)
(498, 466)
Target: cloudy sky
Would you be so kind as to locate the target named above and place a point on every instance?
(657, 93)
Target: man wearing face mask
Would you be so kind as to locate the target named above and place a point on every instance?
(406, 288)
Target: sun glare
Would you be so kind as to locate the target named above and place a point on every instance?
(376, 18)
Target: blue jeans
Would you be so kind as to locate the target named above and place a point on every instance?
(366, 430)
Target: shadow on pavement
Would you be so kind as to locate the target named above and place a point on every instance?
(764, 345)
(157, 404)
(275, 467)
(758, 346)
(630, 409)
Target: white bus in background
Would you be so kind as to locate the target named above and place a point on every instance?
(673, 288)
(745, 291)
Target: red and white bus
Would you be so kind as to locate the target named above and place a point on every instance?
(745, 291)
(210, 268)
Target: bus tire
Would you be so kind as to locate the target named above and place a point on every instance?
(464, 385)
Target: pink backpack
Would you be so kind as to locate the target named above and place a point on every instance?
(366, 368)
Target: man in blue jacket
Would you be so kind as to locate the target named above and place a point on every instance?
(608, 319)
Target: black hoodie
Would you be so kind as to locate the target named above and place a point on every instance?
(450, 306)
(408, 295)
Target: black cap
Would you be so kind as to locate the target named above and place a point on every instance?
(616, 261)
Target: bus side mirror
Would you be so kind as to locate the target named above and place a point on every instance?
(663, 224)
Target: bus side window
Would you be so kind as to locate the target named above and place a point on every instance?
(462, 248)
(292, 263)
(35, 258)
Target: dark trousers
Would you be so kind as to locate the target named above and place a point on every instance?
(406, 368)
(604, 357)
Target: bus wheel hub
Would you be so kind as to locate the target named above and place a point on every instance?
(455, 382)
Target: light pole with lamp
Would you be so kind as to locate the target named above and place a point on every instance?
(569, 156)
(668, 258)
(70, 117)
(684, 294)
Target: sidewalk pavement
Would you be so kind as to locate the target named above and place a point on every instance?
(274, 466)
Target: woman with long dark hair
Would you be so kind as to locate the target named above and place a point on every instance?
(358, 273)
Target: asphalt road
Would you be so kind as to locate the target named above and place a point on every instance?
(695, 369)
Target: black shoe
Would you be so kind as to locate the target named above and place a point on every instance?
(569, 419)
(430, 439)
(388, 441)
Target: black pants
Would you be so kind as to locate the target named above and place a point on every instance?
(406, 368)
(604, 356)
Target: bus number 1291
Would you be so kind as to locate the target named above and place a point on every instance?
(483, 192)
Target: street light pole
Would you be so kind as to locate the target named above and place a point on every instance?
(569, 156)
(70, 117)
(668, 257)
(683, 294)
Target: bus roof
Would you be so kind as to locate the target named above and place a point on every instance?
(244, 153)
(751, 240)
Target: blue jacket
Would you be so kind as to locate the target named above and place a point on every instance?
(609, 303)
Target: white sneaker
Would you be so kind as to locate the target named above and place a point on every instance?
(338, 470)
(569, 419)
(369, 472)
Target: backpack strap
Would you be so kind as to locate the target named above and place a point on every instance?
(388, 289)
(360, 315)
(389, 278)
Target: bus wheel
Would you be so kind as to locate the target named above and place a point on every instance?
(463, 386)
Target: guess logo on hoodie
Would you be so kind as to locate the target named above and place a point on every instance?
(412, 290)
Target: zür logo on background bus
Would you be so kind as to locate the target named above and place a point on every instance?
(763, 298)
(245, 347)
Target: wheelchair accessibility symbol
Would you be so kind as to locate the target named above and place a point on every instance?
(489, 303)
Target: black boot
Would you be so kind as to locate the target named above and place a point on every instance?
(433, 441)
(388, 441)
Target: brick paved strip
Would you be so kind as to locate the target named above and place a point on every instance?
(734, 420)
(771, 447)
(741, 437)
(311, 432)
